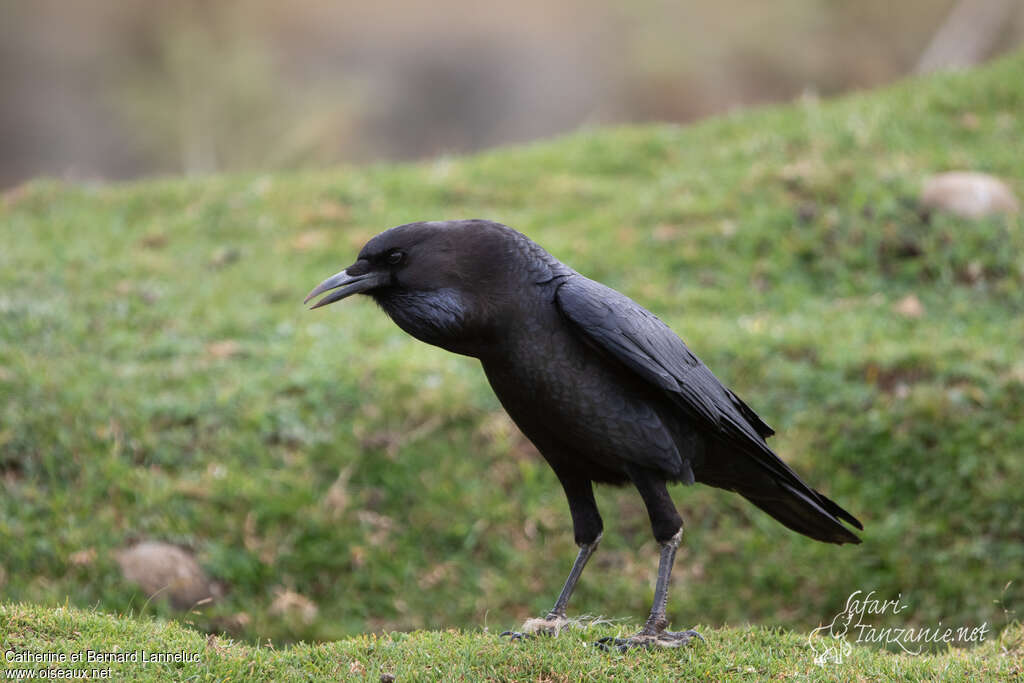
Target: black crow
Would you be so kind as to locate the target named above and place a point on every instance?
(604, 389)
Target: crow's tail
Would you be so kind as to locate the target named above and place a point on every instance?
(808, 512)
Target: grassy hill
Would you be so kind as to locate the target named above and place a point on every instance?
(753, 653)
(159, 379)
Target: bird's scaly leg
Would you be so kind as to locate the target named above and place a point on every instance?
(653, 632)
(556, 620)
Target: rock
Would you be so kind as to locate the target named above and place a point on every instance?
(165, 570)
(968, 195)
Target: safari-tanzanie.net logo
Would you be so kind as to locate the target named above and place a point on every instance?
(861, 621)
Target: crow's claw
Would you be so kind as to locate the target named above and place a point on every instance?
(643, 639)
(550, 625)
(515, 635)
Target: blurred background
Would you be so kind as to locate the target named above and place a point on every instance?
(109, 90)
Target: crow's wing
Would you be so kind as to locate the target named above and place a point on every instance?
(619, 326)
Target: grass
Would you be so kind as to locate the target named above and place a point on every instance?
(159, 379)
(753, 653)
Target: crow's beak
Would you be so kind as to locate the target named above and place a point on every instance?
(345, 285)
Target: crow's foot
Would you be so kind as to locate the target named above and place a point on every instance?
(649, 639)
(548, 626)
(515, 635)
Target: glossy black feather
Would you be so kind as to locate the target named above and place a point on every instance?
(638, 339)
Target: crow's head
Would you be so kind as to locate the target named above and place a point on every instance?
(445, 282)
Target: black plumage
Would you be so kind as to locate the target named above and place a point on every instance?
(604, 389)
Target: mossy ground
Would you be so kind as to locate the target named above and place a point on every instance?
(752, 653)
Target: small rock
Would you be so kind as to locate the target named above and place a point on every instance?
(165, 570)
(909, 307)
(968, 195)
(387, 677)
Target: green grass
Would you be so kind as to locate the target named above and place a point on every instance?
(329, 454)
(754, 653)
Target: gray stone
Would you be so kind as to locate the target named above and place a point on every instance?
(968, 194)
(165, 570)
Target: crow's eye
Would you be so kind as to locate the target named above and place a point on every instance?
(395, 257)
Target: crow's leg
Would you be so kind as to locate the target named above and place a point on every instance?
(668, 531)
(587, 527)
(556, 620)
